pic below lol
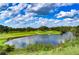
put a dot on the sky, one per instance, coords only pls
(20, 15)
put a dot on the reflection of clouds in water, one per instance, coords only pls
(51, 39)
(66, 36)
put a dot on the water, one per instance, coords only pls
(46, 39)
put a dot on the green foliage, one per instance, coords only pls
(7, 29)
(39, 47)
(67, 48)
(6, 49)
(43, 28)
(70, 47)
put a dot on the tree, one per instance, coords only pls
(43, 28)
(29, 29)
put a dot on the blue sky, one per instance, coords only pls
(39, 14)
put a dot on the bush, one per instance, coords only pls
(4, 50)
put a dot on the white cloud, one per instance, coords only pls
(17, 8)
(44, 8)
(57, 21)
(14, 10)
(69, 19)
(67, 14)
(21, 18)
(44, 22)
(5, 14)
(7, 21)
(3, 4)
(37, 8)
(63, 4)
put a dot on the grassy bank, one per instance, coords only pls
(68, 48)
(10, 35)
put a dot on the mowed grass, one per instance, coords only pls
(10, 35)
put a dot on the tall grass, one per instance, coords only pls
(67, 48)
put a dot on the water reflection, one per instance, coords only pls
(52, 39)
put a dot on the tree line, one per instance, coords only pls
(7, 29)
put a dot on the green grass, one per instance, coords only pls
(68, 48)
(10, 35)
(2, 42)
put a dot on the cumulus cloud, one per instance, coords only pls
(14, 10)
(2, 4)
(35, 9)
(67, 14)
(22, 18)
(37, 22)
(7, 21)
(41, 9)
(5, 14)
(44, 8)
(64, 4)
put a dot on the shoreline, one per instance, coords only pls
(10, 36)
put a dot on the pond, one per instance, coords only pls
(45, 39)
